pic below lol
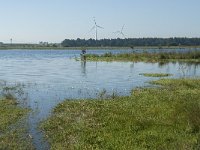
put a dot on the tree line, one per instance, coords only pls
(131, 42)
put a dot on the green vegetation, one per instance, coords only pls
(179, 83)
(150, 118)
(156, 74)
(12, 129)
(38, 47)
(144, 43)
(59, 47)
(147, 57)
(30, 46)
(132, 42)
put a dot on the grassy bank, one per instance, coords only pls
(152, 118)
(12, 132)
(147, 57)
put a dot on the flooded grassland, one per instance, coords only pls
(105, 88)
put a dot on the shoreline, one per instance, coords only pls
(96, 48)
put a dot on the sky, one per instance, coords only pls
(31, 21)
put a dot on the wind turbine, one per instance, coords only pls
(96, 26)
(121, 32)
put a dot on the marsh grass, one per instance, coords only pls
(13, 132)
(156, 74)
(147, 57)
(150, 118)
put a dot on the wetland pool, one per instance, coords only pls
(50, 76)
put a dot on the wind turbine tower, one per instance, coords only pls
(96, 26)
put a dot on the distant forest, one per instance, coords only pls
(131, 42)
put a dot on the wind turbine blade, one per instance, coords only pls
(92, 29)
(100, 27)
(122, 28)
(117, 32)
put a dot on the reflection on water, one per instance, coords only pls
(186, 69)
(52, 76)
(83, 65)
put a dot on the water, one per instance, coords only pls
(51, 76)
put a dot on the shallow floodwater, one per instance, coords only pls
(51, 76)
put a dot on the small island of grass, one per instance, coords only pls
(147, 57)
(156, 74)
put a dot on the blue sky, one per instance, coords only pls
(32, 21)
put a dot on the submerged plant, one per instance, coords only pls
(104, 94)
